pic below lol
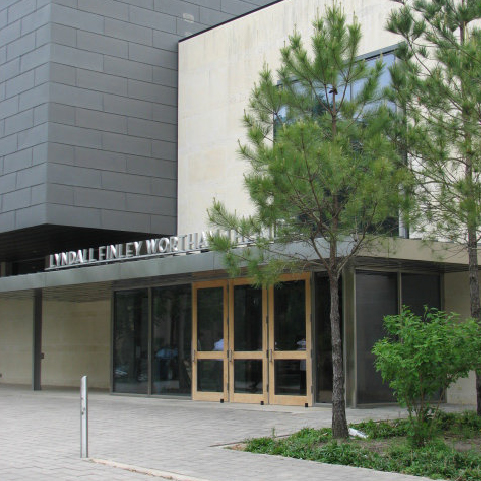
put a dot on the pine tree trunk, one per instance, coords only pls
(339, 424)
(474, 298)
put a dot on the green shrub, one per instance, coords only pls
(421, 357)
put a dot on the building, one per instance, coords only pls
(88, 129)
(101, 184)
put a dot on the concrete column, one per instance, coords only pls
(349, 334)
(37, 341)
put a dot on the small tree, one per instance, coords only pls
(323, 175)
(437, 84)
(422, 357)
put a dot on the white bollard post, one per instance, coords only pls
(84, 450)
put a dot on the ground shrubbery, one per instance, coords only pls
(453, 454)
(420, 357)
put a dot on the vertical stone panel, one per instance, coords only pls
(16, 341)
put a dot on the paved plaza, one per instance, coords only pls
(138, 438)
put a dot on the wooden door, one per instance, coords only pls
(247, 342)
(289, 347)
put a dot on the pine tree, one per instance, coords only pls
(323, 174)
(437, 85)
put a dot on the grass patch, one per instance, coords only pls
(454, 454)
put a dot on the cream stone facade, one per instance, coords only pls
(16, 334)
(456, 299)
(217, 71)
(76, 343)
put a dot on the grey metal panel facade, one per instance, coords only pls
(24, 57)
(88, 109)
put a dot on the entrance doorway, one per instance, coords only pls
(252, 344)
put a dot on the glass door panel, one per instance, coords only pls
(289, 316)
(248, 318)
(248, 376)
(247, 346)
(210, 375)
(290, 341)
(209, 349)
(210, 318)
(290, 377)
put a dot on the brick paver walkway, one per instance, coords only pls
(170, 438)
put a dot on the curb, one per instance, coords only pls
(150, 472)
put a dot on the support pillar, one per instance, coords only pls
(349, 334)
(37, 340)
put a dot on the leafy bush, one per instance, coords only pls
(422, 356)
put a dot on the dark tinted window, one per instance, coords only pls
(171, 341)
(130, 342)
(376, 297)
(419, 290)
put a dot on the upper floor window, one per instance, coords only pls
(320, 96)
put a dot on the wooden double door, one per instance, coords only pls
(251, 344)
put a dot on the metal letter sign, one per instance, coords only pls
(144, 249)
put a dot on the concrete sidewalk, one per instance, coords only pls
(152, 438)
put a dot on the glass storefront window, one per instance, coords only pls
(419, 290)
(171, 340)
(376, 297)
(323, 345)
(130, 343)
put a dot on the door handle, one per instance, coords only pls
(229, 355)
(270, 355)
(193, 355)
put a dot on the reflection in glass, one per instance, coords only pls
(248, 376)
(247, 318)
(376, 297)
(384, 79)
(171, 329)
(130, 343)
(419, 290)
(210, 375)
(290, 377)
(290, 316)
(323, 346)
(210, 319)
